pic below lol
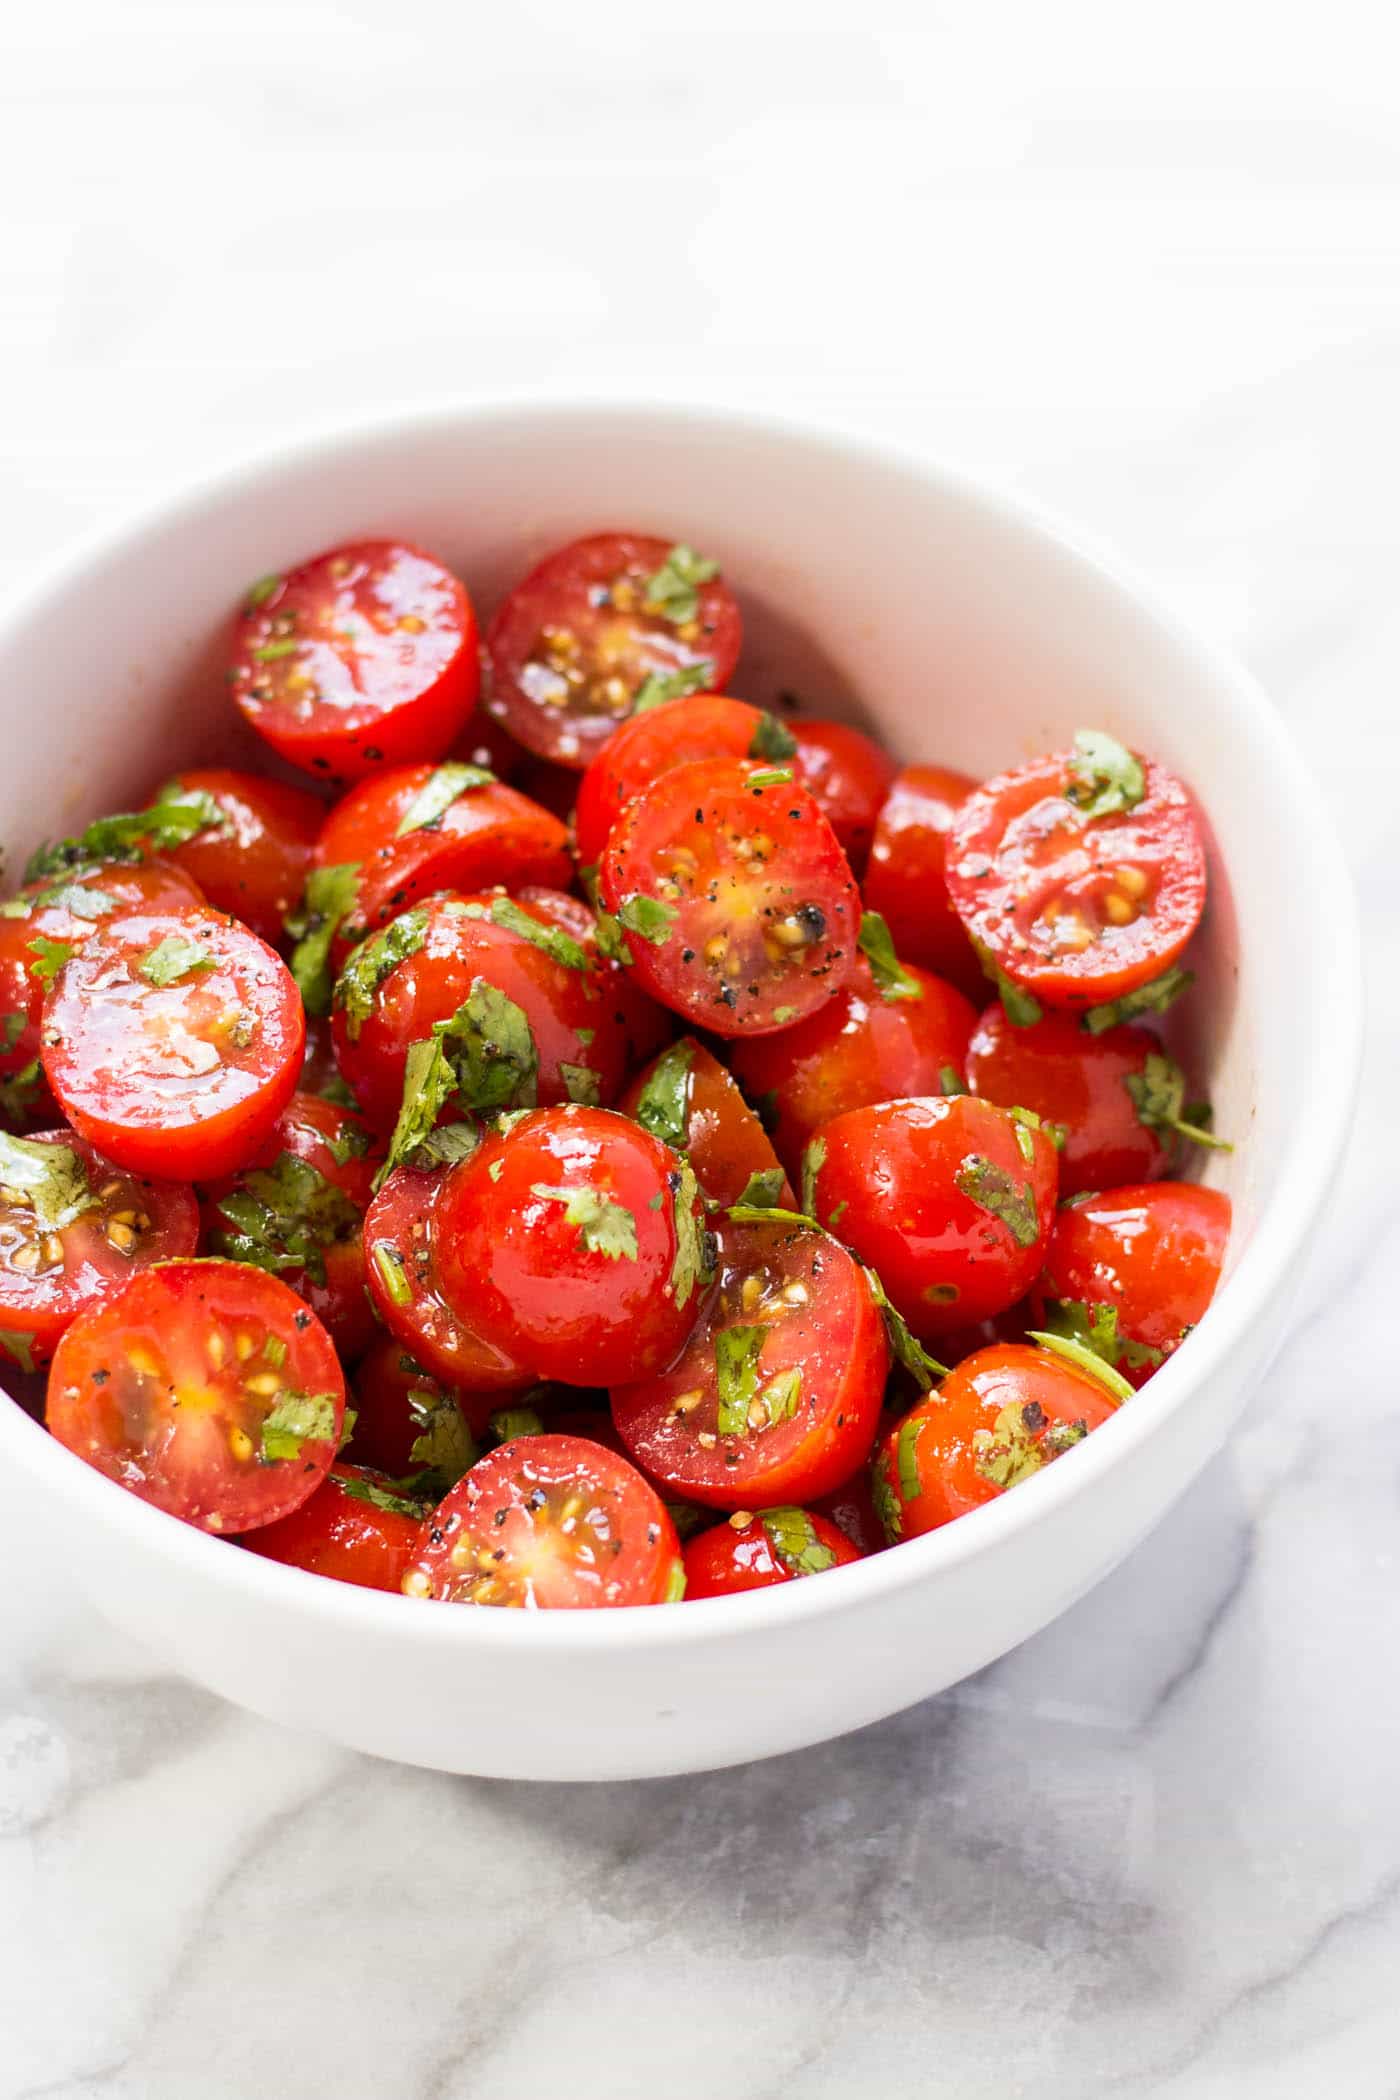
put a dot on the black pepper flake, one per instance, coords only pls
(301, 1321)
(653, 1534)
(687, 956)
(1032, 1417)
(372, 752)
(100, 1377)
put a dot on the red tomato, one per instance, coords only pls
(402, 1260)
(255, 867)
(364, 657)
(575, 1242)
(550, 1523)
(574, 644)
(863, 1046)
(950, 1201)
(173, 1043)
(553, 787)
(851, 1507)
(778, 1546)
(995, 1420)
(73, 1228)
(702, 725)
(468, 955)
(320, 1073)
(776, 1396)
(687, 1099)
(207, 1388)
(355, 1528)
(645, 1025)
(400, 1406)
(905, 880)
(738, 905)
(1079, 1082)
(1077, 891)
(849, 776)
(1135, 1269)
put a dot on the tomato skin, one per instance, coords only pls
(120, 1052)
(511, 1512)
(756, 901)
(1152, 1251)
(403, 1220)
(136, 1391)
(906, 877)
(525, 1273)
(849, 775)
(386, 1427)
(257, 868)
(387, 640)
(832, 1333)
(646, 1027)
(1033, 880)
(721, 1136)
(858, 1049)
(702, 725)
(887, 1182)
(1077, 1080)
(568, 593)
(39, 1303)
(722, 1561)
(851, 1508)
(338, 1534)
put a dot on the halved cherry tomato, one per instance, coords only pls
(776, 1396)
(406, 1419)
(575, 1242)
(255, 866)
(205, 1387)
(1082, 876)
(363, 657)
(173, 1043)
(646, 1026)
(1135, 1268)
(778, 1546)
(702, 725)
(950, 1201)
(402, 1260)
(1078, 1082)
(73, 1229)
(550, 1523)
(575, 643)
(687, 1099)
(906, 881)
(738, 905)
(867, 1044)
(357, 1527)
(849, 775)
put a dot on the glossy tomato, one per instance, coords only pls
(849, 775)
(405, 1419)
(753, 1553)
(356, 1527)
(1135, 1268)
(702, 725)
(851, 1507)
(687, 1099)
(403, 1260)
(646, 1026)
(254, 865)
(362, 658)
(906, 879)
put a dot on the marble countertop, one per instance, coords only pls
(1157, 1850)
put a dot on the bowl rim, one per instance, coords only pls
(1314, 1145)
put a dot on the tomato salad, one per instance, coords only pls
(594, 1141)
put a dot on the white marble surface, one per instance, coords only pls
(1146, 267)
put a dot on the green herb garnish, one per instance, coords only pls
(444, 785)
(331, 895)
(173, 958)
(1158, 1093)
(892, 980)
(673, 592)
(295, 1419)
(1104, 776)
(992, 1189)
(662, 1105)
(604, 1227)
(1152, 998)
(656, 690)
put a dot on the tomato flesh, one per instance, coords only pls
(687, 1099)
(403, 1246)
(255, 865)
(1077, 1081)
(1152, 1254)
(906, 876)
(782, 1545)
(354, 1528)
(702, 725)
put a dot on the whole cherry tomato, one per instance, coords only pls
(753, 1553)
(1135, 1268)
(357, 1527)
(254, 864)
(906, 880)
(687, 1099)
(849, 775)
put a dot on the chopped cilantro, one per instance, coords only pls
(604, 1227)
(771, 740)
(922, 1367)
(1096, 1327)
(1084, 1359)
(694, 1262)
(358, 983)
(444, 785)
(1022, 1010)
(675, 1583)
(656, 690)
(950, 1080)
(892, 980)
(813, 1160)
(1158, 1093)
(176, 814)
(444, 1448)
(794, 1541)
(484, 1055)
(20, 1091)
(173, 958)
(382, 1494)
(582, 1083)
(283, 1218)
(762, 1190)
(673, 592)
(662, 1106)
(274, 652)
(258, 593)
(992, 1189)
(1152, 998)
(392, 1271)
(50, 1181)
(611, 941)
(12, 1027)
(513, 917)
(737, 1350)
(906, 1458)
(647, 916)
(1104, 776)
(886, 1501)
(770, 777)
(81, 900)
(351, 1141)
(295, 1419)
(509, 1422)
(330, 896)
(50, 957)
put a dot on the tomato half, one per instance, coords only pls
(950, 1201)
(776, 1396)
(73, 1229)
(173, 1044)
(702, 725)
(549, 1523)
(687, 1099)
(575, 1242)
(1135, 1268)
(849, 775)
(1082, 876)
(865, 1045)
(205, 1387)
(738, 905)
(356, 1527)
(363, 657)
(778, 1546)
(403, 1261)
(1078, 1082)
(906, 879)
(255, 866)
(646, 1026)
(999, 1417)
(406, 1419)
(574, 644)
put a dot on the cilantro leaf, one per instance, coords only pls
(1158, 1093)
(351, 1141)
(655, 691)
(1096, 1327)
(886, 1501)
(1020, 1442)
(383, 1494)
(992, 1189)
(509, 1422)
(769, 776)
(330, 896)
(173, 958)
(258, 593)
(950, 1080)
(582, 1083)
(393, 1271)
(444, 1448)
(491, 1049)
(648, 916)
(604, 1227)
(444, 785)
(371, 962)
(52, 955)
(429, 1082)
(561, 946)
(12, 1027)
(20, 1091)
(792, 1535)
(1021, 1008)
(282, 1218)
(771, 740)
(295, 1419)
(813, 1160)
(1104, 776)
(81, 900)
(1152, 998)
(906, 1458)
(694, 1261)
(663, 1104)
(673, 592)
(176, 815)
(892, 980)
(1084, 1359)
(737, 1350)
(762, 1190)
(49, 1180)
(611, 941)
(448, 1143)
(675, 1581)
(922, 1367)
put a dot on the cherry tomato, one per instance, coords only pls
(1081, 876)
(206, 1387)
(776, 1396)
(356, 1527)
(364, 657)
(1078, 1082)
(687, 1099)
(550, 1523)
(484, 742)
(950, 1201)
(849, 775)
(1135, 1269)
(738, 905)
(906, 882)
(255, 866)
(575, 1242)
(555, 788)
(402, 1260)
(851, 1507)
(702, 725)
(995, 1420)
(173, 1043)
(406, 1419)
(865, 1045)
(778, 1546)
(320, 1074)
(73, 1228)
(645, 1025)
(575, 643)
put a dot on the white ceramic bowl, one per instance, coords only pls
(969, 632)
